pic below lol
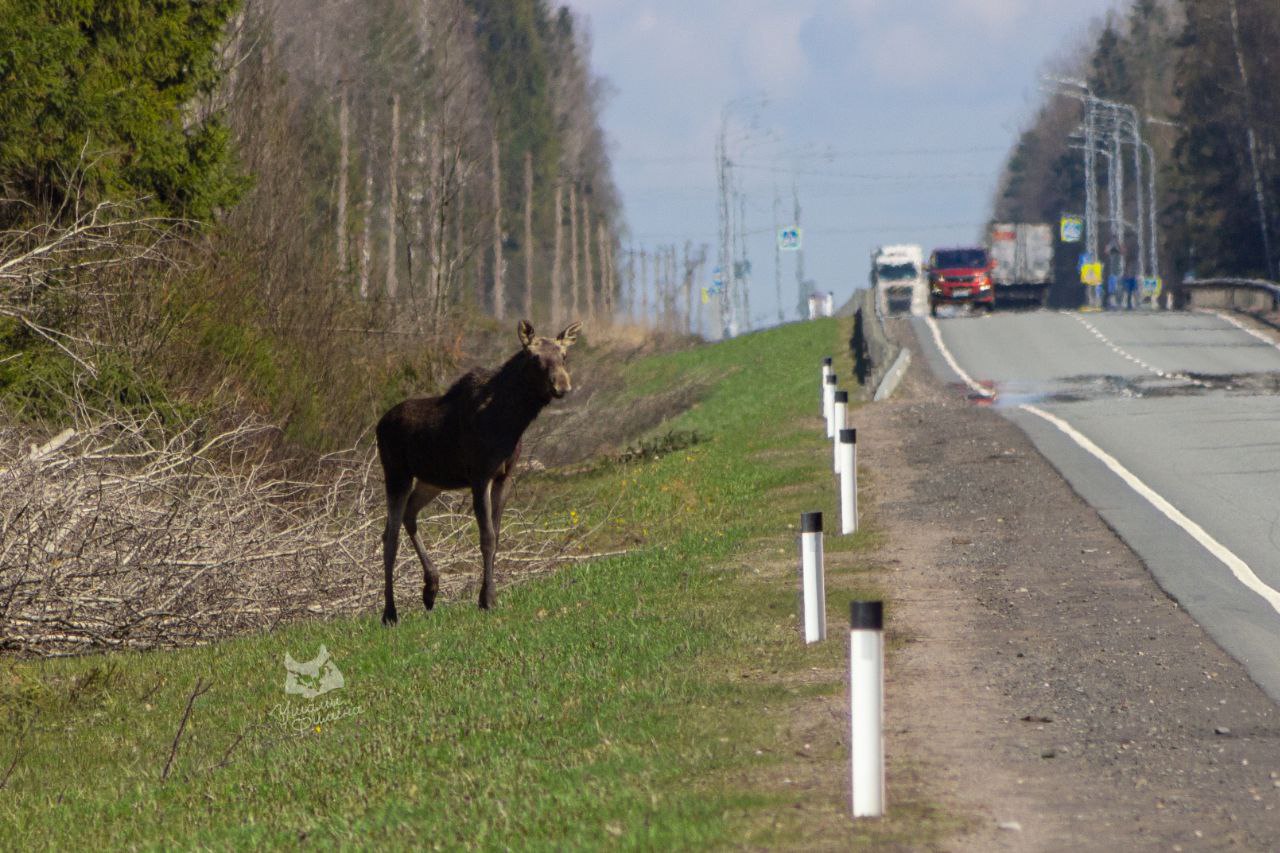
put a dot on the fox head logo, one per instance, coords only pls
(316, 676)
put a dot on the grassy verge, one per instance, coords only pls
(637, 701)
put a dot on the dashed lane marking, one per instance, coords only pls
(1121, 351)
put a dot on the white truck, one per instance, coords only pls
(898, 278)
(1022, 254)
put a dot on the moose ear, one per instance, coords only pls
(525, 330)
(568, 336)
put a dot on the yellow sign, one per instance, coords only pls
(706, 297)
(1091, 274)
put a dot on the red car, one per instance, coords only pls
(961, 276)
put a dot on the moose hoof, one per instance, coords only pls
(429, 596)
(486, 600)
(389, 618)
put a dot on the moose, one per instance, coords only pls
(467, 438)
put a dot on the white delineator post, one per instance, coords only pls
(812, 584)
(866, 707)
(847, 453)
(828, 402)
(822, 388)
(839, 407)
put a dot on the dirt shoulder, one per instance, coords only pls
(1046, 683)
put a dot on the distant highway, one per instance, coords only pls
(1168, 423)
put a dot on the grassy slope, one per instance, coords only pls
(609, 704)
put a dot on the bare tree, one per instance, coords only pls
(573, 249)
(557, 263)
(604, 251)
(366, 229)
(344, 166)
(528, 235)
(588, 270)
(499, 265)
(392, 165)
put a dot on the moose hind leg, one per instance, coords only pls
(422, 495)
(488, 541)
(498, 502)
(397, 498)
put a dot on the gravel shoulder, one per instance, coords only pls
(1044, 681)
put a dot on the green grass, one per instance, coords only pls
(614, 704)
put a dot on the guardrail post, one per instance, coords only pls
(866, 707)
(839, 414)
(812, 583)
(848, 470)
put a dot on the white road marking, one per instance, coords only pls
(1238, 567)
(946, 354)
(1242, 327)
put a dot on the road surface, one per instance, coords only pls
(1168, 423)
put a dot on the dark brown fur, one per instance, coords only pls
(467, 438)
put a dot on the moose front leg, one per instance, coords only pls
(488, 540)
(422, 495)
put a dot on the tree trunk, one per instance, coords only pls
(366, 229)
(435, 236)
(607, 273)
(528, 236)
(588, 272)
(499, 267)
(1251, 140)
(557, 262)
(392, 284)
(573, 249)
(344, 164)
(644, 287)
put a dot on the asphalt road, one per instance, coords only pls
(1168, 423)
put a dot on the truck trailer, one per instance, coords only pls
(1022, 257)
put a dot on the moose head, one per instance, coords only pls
(546, 363)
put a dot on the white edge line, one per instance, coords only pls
(946, 354)
(1242, 327)
(1238, 567)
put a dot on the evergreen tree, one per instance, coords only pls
(100, 99)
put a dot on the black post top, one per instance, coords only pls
(849, 436)
(842, 396)
(866, 615)
(827, 360)
(811, 522)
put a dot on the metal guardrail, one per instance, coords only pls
(1255, 284)
(873, 352)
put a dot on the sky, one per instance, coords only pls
(891, 119)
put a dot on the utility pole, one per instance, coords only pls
(777, 253)
(801, 288)
(744, 293)
(726, 232)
